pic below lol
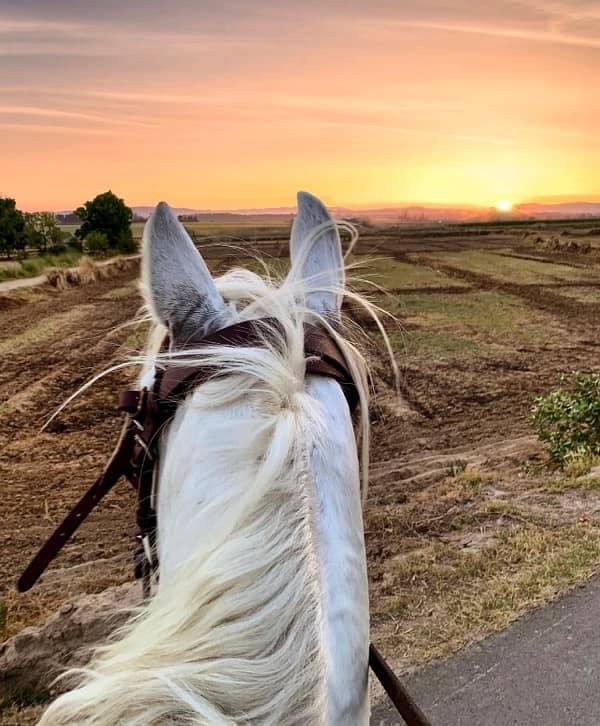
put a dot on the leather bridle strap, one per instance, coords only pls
(149, 410)
(398, 695)
(118, 466)
(134, 456)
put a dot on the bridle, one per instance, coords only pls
(135, 456)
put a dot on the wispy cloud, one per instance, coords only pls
(57, 113)
(39, 26)
(63, 130)
(410, 131)
(506, 32)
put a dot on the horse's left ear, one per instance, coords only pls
(316, 256)
(178, 285)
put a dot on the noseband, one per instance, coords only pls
(135, 456)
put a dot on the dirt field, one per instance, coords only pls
(466, 524)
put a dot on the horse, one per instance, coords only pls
(260, 614)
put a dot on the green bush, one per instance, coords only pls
(568, 419)
(57, 249)
(96, 243)
(125, 242)
(34, 266)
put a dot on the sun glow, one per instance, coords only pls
(504, 205)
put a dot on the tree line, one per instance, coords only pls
(105, 226)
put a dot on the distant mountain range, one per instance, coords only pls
(414, 213)
(398, 214)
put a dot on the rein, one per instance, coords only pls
(135, 458)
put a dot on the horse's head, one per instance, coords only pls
(260, 614)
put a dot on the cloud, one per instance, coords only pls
(26, 128)
(58, 113)
(560, 37)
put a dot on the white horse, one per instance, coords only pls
(261, 612)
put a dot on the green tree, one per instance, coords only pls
(109, 215)
(12, 227)
(43, 232)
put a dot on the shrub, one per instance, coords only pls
(568, 419)
(96, 243)
(57, 249)
(125, 242)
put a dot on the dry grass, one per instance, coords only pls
(44, 330)
(450, 596)
(392, 274)
(88, 271)
(20, 714)
(510, 269)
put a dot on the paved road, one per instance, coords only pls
(544, 670)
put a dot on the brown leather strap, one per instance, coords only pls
(398, 695)
(324, 357)
(133, 455)
(117, 467)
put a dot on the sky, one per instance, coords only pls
(235, 104)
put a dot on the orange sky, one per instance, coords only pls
(234, 104)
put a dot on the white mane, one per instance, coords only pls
(233, 634)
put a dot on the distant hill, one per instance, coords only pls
(413, 214)
(563, 209)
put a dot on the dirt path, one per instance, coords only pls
(10, 285)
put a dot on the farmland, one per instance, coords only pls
(467, 524)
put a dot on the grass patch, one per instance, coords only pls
(580, 466)
(34, 266)
(471, 480)
(511, 269)
(421, 343)
(486, 316)
(392, 274)
(583, 484)
(457, 594)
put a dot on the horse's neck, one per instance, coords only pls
(197, 475)
(342, 558)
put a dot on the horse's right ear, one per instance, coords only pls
(178, 286)
(316, 256)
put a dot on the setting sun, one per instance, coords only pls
(504, 205)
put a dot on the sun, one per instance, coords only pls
(504, 205)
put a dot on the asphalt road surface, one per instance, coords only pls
(544, 670)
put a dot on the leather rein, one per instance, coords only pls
(135, 458)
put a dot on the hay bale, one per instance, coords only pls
(89, 271)
(56, 277)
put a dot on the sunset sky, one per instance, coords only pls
(222, 105)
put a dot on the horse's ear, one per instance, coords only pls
(316, 256)
(178, 285)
